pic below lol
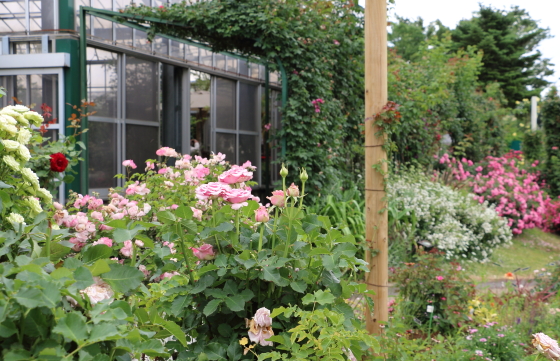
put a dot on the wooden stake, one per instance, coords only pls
(376, 213)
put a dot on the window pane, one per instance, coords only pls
(20, 48)
(12, 16)
(254, 70)
(141, 89)
(35, 14)
(102, 146)
(225, 104)
(200, 113)
(231, 65)
(124, 35)
(248, 107)
(220, 61)
(20, 90)
(243, 67)
(141, 144)
(102, 81)
(35, 47)
(161, 45)
(249, 149)
(141, 41)
(191, 53)
(205, 57)
(177, 49)
(102, 29)
(226, 144)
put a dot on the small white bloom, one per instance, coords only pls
(23, 136)
(15, 218)
(30, 176)
(10, 145)
(45, 194)
(11, 162)
(34, 205)
(17, 108)
(23, 152)
(35, 118)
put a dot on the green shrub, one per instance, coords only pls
(551, 124)
(533, 146)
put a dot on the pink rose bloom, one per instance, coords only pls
(261, 335)
(104, 240)
(117, 215)
(139, 243)
(204, 252)
(262, 317)
(201, 171)
(547, 346)
(236, 174)
(261, 214)
(168, 275)
(105, 228)
(58, 206)
(278, 199)
(439, 278)
(98, 291)
(293, 191)
(127, 249)
(197, 213)
(166, 152)
(144, 270)
(78, 245)
(553, 148)
(129, 163)
(335, 42)
(150, 165)
(237, 195)
(211, 190)
(97, 215)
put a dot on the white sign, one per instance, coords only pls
(430, 309)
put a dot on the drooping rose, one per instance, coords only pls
(261, 214)
(547, 346)
(99, 291)
(197, 213)
(129, 163)
(127, 249)
(293, 191)
(58, 162)
(204, 252)
(262, 317)
(260, 327)
(278, 199)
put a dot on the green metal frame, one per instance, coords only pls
(132, 21)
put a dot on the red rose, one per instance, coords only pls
(58, 162)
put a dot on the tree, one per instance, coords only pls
(509, 40)
(408, 36)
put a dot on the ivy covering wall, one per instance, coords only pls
(321, 47)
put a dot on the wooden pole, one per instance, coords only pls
(376, 161)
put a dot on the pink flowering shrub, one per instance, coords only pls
(516, 193)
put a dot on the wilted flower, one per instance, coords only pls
(547, 346)
(99, 291)
(260, 327)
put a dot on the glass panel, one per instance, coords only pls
(102, 81)
(177, 49)
(200, 113)
(254, 70)
(77, 4)
(231, 65)
(102, 28)
(220, 61)
(102, 4)
(124, 35)
(161, 45)
(141, 144)
(12, 16)
(102, 154)
(191, 53)
(248, 107)
(243, 67)
(226, 144)
(20, 91)
(35, 14)
(273, 77)
(249, 149)
(205, 57)
(20, 48)
(261, 72)
(157, 3)
(47, 14)
(225, 104)
(141, 41)
(141, 89)
(52, 135)
(121, 4)
(35, 48)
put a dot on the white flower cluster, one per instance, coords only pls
(452, 221)
(15, 133)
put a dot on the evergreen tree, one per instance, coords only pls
(407, 36)
(508, 40)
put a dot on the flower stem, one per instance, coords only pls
(184, 251)
(274, 229)
(133, 255)
(261, 238)
(237, 227)
(302, 194)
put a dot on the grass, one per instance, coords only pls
(531, 250)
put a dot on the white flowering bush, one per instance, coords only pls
(19, 186)
(446, 218)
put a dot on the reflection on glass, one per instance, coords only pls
(102, 4)
(200, 113)
(226, 144)
(21, 48)
(141, 89)
(254, 70)
(102, 154)
(157, 3)
(243, 67)
(231, 64)
(273, 77)
(141, 144)
(248, 107)
(33, 91)
(161, 45)
(36, 16)
(141, 41)
(191, 53)
(35, 47)
(124, 35)
(225, 104)
(177, 49)
(220, 61)
(102, 81)
(77, 4)
(249, 149)
(205, 57)
(121, 4)
(102, 28)
(21, 89)
(12, 16)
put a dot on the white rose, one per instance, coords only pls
(45, 194)
(23, 136)
(30, 176)
(23, 152)
(34, 118)
(34, 205)
(15, 218)
(11, 162)
(11, 145)
(98, 291)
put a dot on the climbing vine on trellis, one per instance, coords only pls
(320, 44)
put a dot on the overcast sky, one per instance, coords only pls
(450, 12)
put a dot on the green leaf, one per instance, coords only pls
(235, 303)
(307, 299)
(97, 252)
(17, 355)
(324, 298)
(8, 328)
(103, 331)
(123, 278)
(234, 352)
(72, 326)
(120, 235)
(183, 212)
(180, 304)
(33, 297)
(209, 267)
(319, 250)
(4, 185)
(99, 267)
(83, 278)
(203, 283)
(176, 331)
(212, 306)
(58, 252)
(272, 274)
(215, 351)
(166, 217)
(117, 223)
(299, 286)
(224, 227)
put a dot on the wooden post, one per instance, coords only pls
(376, 213)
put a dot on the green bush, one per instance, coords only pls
(533, 146)
(551, 124)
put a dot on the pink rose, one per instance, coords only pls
(139, 243)
(97, 215)
(237, 195)
(144, 270)
(261, 335)
(278, 199)
(129, 163)
(150, 165)
(58, 206)
(439, 278)
(99, 291)
(293, 191)
(261, 215)
(167, 152)
(211, 190)
(197, 213)
(127, 249)
(204, 252)
(104, 240)
(201, 171)
(547, 346)
(262, 317)
(236, 174)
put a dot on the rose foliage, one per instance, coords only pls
(183, 262)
